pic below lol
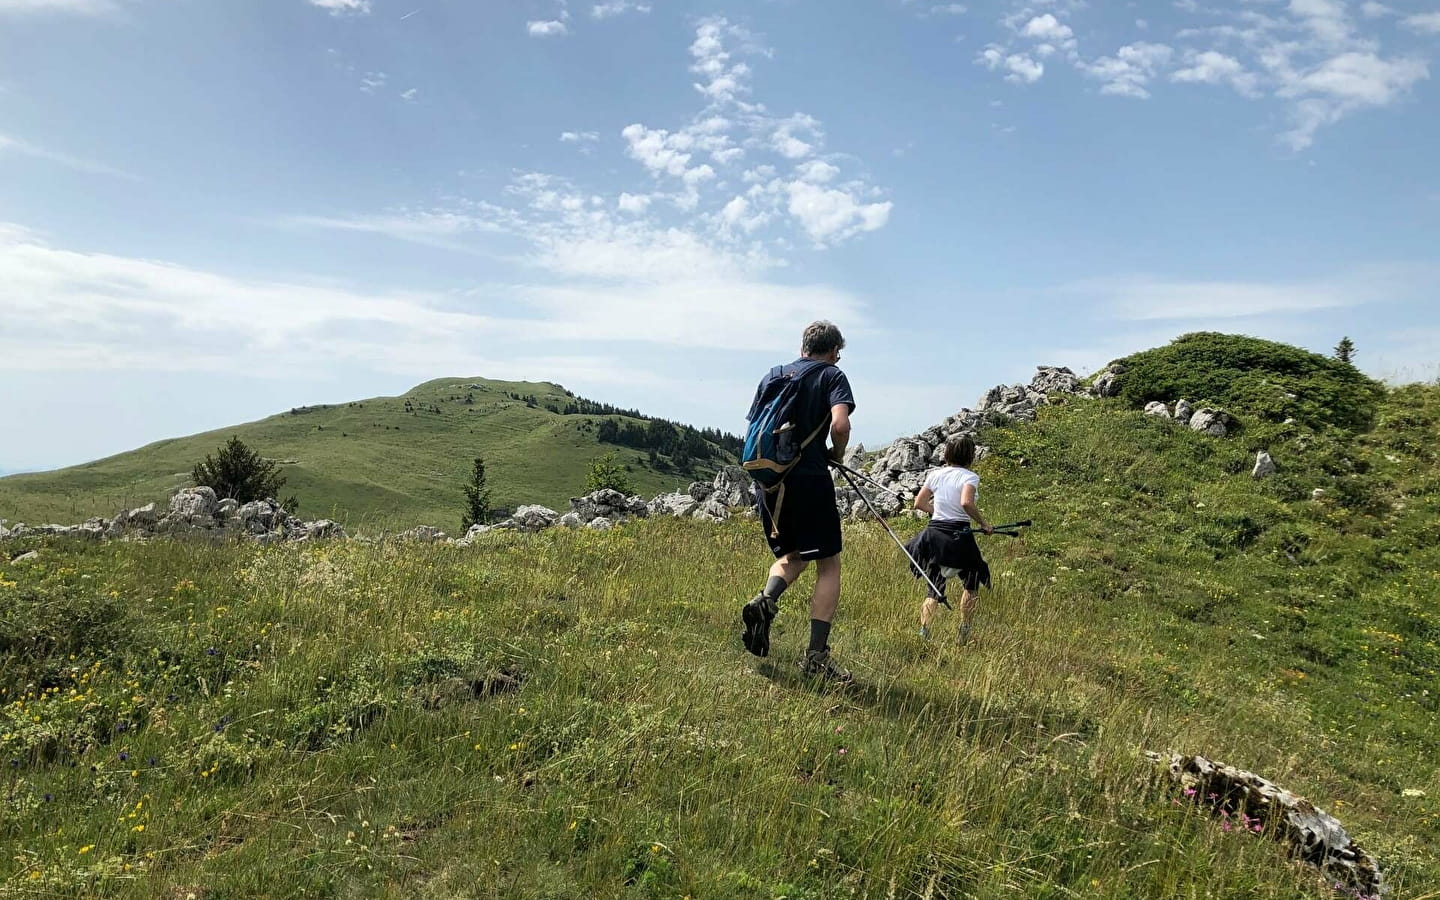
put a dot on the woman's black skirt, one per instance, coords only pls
(949, 544)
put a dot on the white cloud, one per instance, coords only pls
(633, 203)
(373, 81)
(785, 137)
(1425, 23)
(344, 7)
(409, 95)
(660, 151)
(1326, 19)
(817, 171)
(1127, 73)
(546, 28)
(948, 9)
(1213, 67)
(1047, 28)
(1314, 58)
(579, 137)
(617, 8)
(829, 215)
(15, 145)
(1022, 68)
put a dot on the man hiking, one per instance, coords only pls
(799, 515)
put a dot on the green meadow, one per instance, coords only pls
(570, 714)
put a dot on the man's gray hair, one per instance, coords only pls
(821, 338)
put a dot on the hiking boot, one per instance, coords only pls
(816, 663)
(925, 632)
(756, 617)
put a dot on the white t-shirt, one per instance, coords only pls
(945, 484)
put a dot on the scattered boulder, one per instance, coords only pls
(600, 524)
(1106, 383)
(531, 518)
(142, 517)
(1157, 409)
(733, 487)
(676, 505)
(1184, 409)
(570, 520)
(323, 529)
(700, 491)
(1214, 422)
(1313, 835)
(227, 507)
(194, 503)
(1317, 494)
(1054, 380)
(260, 517)
(1264, 465)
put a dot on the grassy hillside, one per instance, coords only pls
(382, 462)
(570, 714)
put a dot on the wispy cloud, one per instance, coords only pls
(546, 28)
(79, 164)
(77, 311)
(1424, 23)
(344, 7)
(614, 8)
(77, 7)
(1157, 299)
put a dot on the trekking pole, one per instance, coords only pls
(1008, 529)
(939, 594)
(844, 468)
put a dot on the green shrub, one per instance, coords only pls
(1253, 378)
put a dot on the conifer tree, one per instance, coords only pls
(239, 473)
(477, 497)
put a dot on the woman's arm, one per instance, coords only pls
(967, 502)
(925, 501)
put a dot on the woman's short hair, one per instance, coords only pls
(960, 451)
(821, 338)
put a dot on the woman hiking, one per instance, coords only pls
(946, 548)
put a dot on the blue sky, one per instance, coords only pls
(210, 212)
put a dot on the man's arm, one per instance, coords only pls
(839, 431)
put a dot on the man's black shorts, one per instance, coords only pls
(809, 520)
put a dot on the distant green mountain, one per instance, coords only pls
(400, 461)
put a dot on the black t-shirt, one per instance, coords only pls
(823, 390)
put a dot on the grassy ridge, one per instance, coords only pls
(369, 463)
(569, 714)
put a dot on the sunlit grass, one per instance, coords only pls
(570, 714)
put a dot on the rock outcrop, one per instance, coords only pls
(1313, 835)
(191, 512)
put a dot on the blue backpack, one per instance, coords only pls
(775, 438)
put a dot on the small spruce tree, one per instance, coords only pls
(605, 473)
(477, 497)
(1345, 350)
(237, 472)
